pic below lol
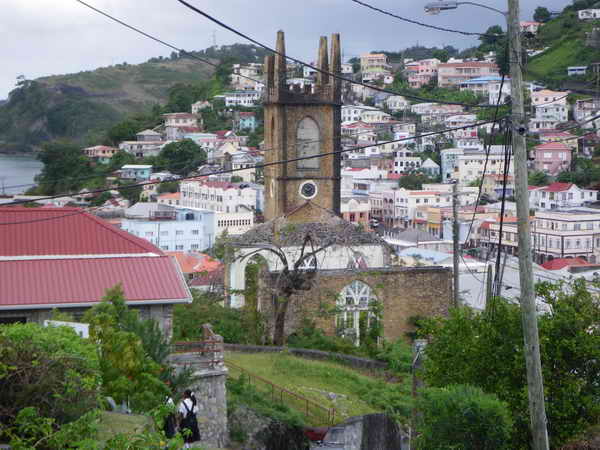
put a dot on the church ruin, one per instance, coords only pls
(320, 266)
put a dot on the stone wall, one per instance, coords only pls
(369, 432)
(404, 292)
(212, 407)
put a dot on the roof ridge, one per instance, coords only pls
(141, 243)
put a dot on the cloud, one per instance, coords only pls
(45, 37)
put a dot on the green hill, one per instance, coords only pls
(82, 105)
(565, 37)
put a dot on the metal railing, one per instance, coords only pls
(315, 413)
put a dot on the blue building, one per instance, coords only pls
(170, 228)
(245, 121)
(136, 172)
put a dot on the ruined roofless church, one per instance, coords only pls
(319, 266)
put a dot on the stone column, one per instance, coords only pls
(212, 407)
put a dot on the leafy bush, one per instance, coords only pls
(50, 369)
(398, 355)
(486, 350)
(462, 417)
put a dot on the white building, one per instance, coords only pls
(170, 228)
(471, 164)
(405, 161)
(234, 204)
(397, 103)
(588, 14)
(560, 195)
(242, 98)
(494, 91)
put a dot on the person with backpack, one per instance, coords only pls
(188, 420)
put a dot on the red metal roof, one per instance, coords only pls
(557, 187)
(46, 282)
(553, 146)
(560, 263)
(64, 231)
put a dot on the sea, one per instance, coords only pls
(17, 173)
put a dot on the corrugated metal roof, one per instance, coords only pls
(63, 231)
(73, 281)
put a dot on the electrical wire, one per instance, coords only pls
(259, 166)
(415, 22)
(340, 136)
(322, 71)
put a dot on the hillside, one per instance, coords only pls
(82, 105)
(565, 38)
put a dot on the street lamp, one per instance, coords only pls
(437, 7)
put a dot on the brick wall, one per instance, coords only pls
(404, 292)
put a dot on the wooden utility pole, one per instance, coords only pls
(455, 238)
(535, 384)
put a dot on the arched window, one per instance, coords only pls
(354, 305)
(307, 143)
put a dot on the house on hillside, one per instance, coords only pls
(138, 172)
(560, 195)
(177, 125)
(100, 153)
(552, 157)
(74, 259)
(243, 120)
(588, 14)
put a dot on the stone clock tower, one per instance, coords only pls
(302, 121)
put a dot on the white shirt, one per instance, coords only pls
(190, 406)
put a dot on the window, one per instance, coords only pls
(179, 247)
(164, 233)
(149, 233)
(307, 143)
(194, 246)
(195, 232)
(179, 233)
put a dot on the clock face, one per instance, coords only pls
(308, 190)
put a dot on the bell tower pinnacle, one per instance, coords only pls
(302, 122)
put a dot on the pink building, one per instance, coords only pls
(530, 27)
(422, 72)
(552, 157)
(453, 74)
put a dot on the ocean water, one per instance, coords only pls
(17, 173)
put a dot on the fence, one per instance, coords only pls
(315, 413)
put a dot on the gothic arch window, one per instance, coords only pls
(354, 310)
(307, 143)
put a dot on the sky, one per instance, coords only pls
(49, 37)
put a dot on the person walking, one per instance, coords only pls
(188, 425)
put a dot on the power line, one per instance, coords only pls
(259, 166)
(415, 22)
(324, 72)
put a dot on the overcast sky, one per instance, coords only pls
(44, 37)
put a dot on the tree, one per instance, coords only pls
(441, 54)
(129, 374)
(65, 167)
(541, 14)
(462, 416)
(181, 157)
(168, 186)
(486, 350)
(491, 37)
(538, 178)
(120, 159)
(414, 181)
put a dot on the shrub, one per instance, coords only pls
(50, 369)
(462, 417)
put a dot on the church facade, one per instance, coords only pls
(321, 267)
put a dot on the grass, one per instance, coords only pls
(355, 393)
(112, 424)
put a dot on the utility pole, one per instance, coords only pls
(455, 238)
(535, 384)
